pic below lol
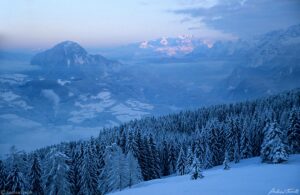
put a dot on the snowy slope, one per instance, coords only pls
(249, 177)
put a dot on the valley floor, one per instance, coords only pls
(249, 177)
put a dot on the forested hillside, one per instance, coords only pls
(159, 146)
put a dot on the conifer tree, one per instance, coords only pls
(100, 148)
(134, 170)
(155, 161)
(273, 149)
(75, 154)
(213, 140)
(130, 145)
(226, 161)
(245, 143)
(181, 163)
(35, 177)
(56, 174)
(121, 170)
(103, 185)
(189, 159)
(257, 135)
(88, 171)
(229, 134)
(18, 159)
(208, 157)
(147, 160)
(165, 159)
(199, 147)
(196, 171)
(15, 181)
(139, 151)
(122, 139)
(293, 132)
(115, 173)
(172, 159)
(237, 156)
(3, 176)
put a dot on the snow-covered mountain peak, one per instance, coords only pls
(68, 44)
(164, 41)
(144, 45)
(71, 48)
(173, 46)
(67, 53)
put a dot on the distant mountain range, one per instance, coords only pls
(162, 48)
(277, 46)
(261, 65)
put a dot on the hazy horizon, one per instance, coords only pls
(35, 25)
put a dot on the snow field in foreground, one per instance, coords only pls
(249, 177)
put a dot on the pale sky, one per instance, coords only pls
(36, 24)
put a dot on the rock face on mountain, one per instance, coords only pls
(67, 54)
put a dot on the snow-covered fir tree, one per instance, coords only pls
(199, 145)
(56, 173)
(130, 146)
(99, 149)
(257, 125)
(293, 132)
(172, 159)
(88, 171)
(245, 148)
(36, 186)
(226, 161)
(122, 139)
(237, 156)
(273, 149)
(75, 154)
(229, 135)
(196, 171)
(213, 134)
(147, 160)
(19, 159)
(134, 170)
(165, 167)
(181, 163)
(189, 160)
(140, 152)
(3, 176)
(115, 173)
(154, 158)
(15, 182)
(208, 157)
